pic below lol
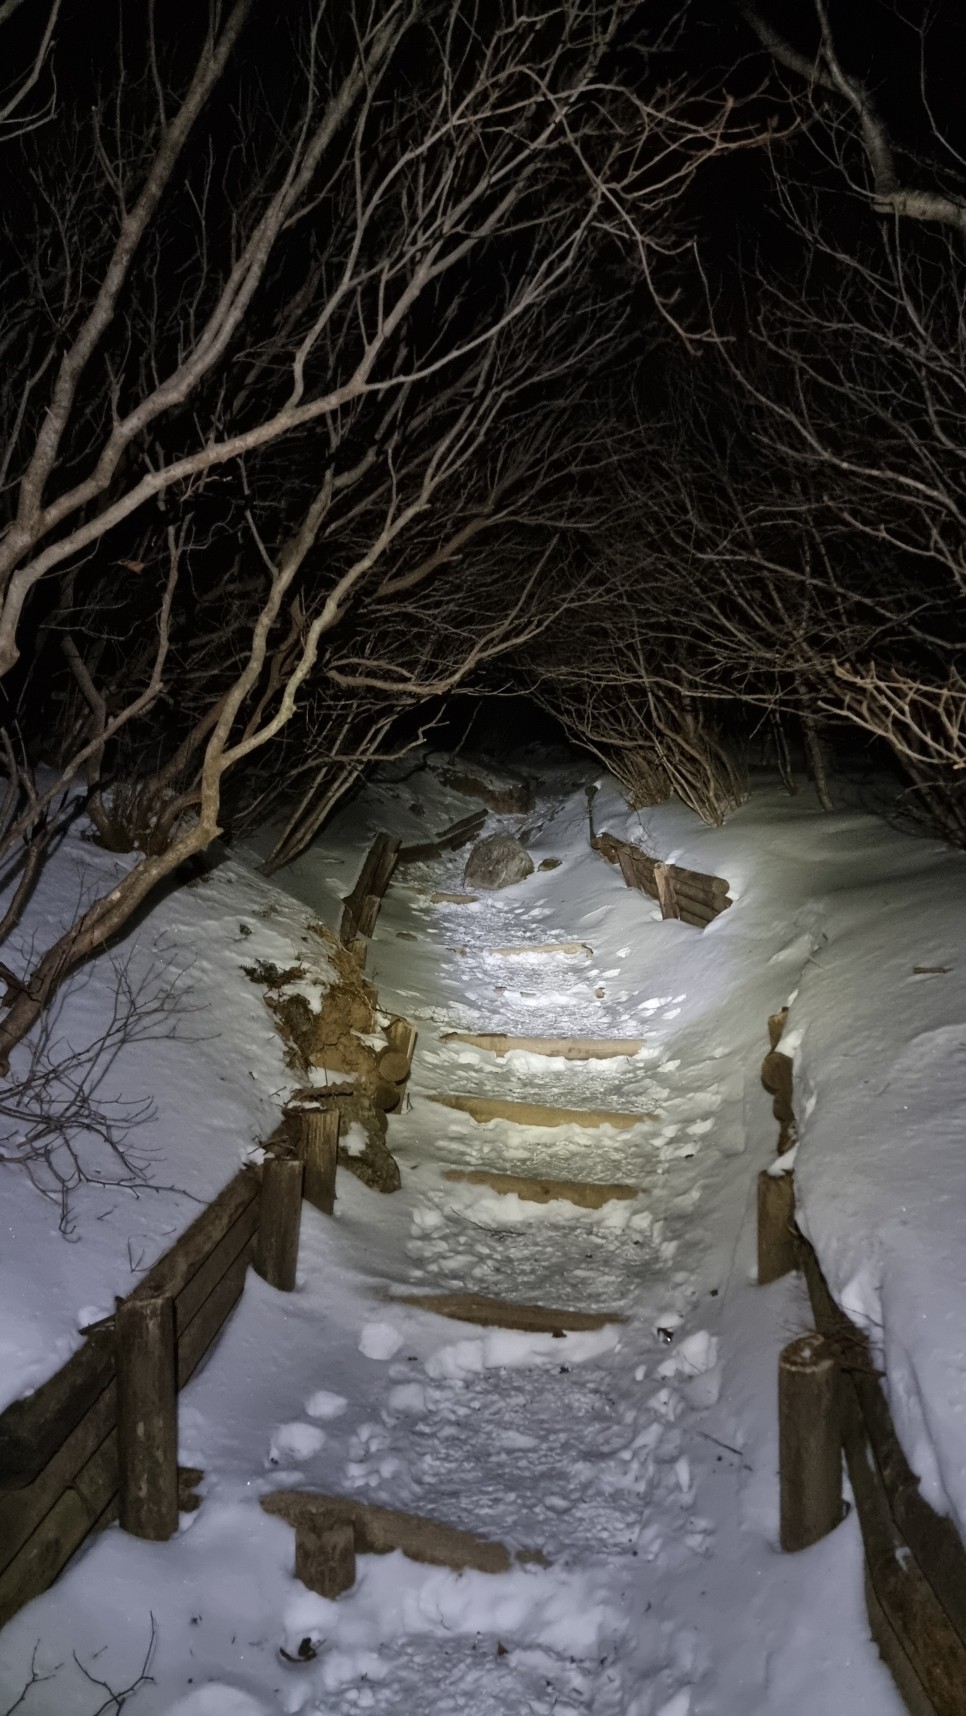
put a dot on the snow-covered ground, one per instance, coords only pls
(639, 1458)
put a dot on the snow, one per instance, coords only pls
(640, 1458)
(380, 1341)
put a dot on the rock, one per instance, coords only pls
(497, 862)
(550, 864)
(506, 793)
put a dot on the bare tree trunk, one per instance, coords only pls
(783, 755)
(815, 749)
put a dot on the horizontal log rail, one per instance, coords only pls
(689, 895)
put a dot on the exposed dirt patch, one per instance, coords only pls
(330, 1038)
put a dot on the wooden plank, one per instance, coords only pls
(361, 905)
(713, 904)
(486, 1108)
(487, 1313)
(698, 883)
(697, 919)
(192, 1249)
(450, 840)
(22, 1510)
(318, 1140)
(642, 872)
(206, 1279)
(567, 1048)
(33, 1429)
(929, 1642)
(46, 1553)
(586, 1194)
(893, 1655)
(210, 1319)
(381, 1530)
(368, 913)
(666, 891)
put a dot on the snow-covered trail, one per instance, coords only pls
(618, 1456)
(638, 1459)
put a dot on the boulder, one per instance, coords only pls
(500, 790)
(497, 862)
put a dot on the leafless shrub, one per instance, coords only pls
(275, 465)
(65, 1125)
(116, 1699)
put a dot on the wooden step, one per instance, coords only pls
(380, 1530)
(568, 1048)
(450, 840)
(501, 1314)
(484, 1108)
(586, 1194)
(564, 947)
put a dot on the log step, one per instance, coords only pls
(565, 947)
(489, 1313)
(586, 1194)
(569, 1048)
(485, 1108)
(380, 1530)
(450, 840)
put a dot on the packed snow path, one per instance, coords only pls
(573, 1446)
(638, 1459)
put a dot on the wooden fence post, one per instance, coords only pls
(147, 1416)
(278, 1229)
(325, 1554)
(777, 1254)
(665, 891)
(318, 1150)
(809, 1442)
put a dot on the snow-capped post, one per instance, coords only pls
(147, 1416)
(809, 1442)
(278, 1230)
(318, 1150)
(777, 1249)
